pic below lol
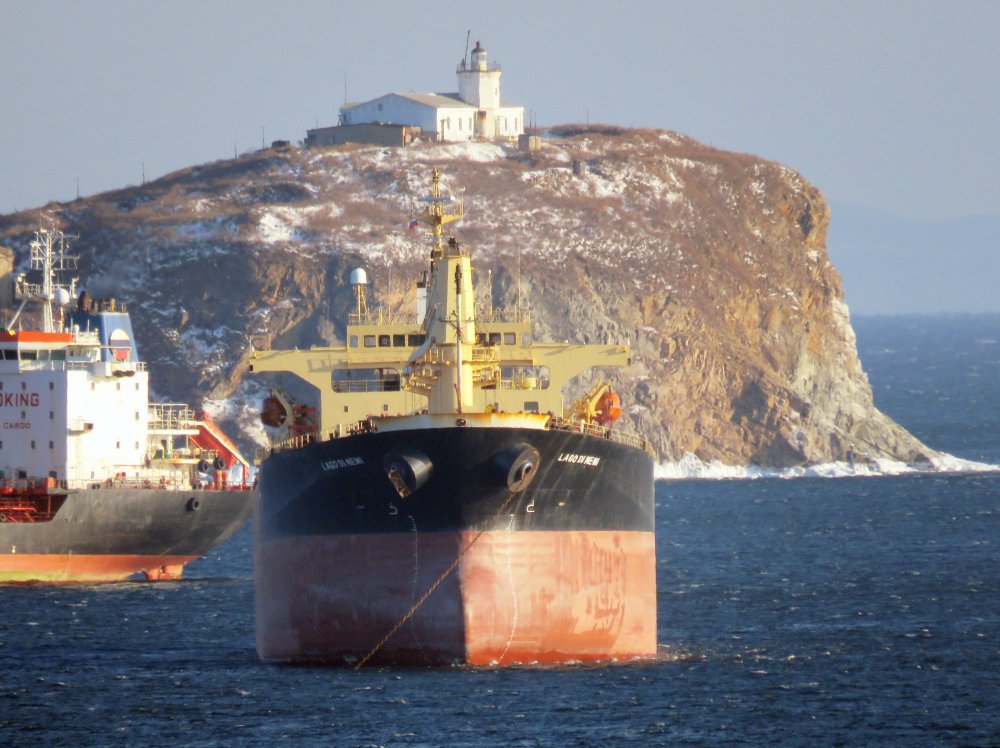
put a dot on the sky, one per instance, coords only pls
(891, 108)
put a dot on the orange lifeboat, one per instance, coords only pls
(609, 408)
(273, 413)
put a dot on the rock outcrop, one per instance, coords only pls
(713, 263)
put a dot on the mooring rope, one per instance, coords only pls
(437, 583)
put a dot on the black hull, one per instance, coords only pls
(471, 567)
(582, 482)
(109, 534)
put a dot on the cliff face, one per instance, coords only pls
(713, 263)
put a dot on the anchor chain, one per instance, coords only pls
(437, 583)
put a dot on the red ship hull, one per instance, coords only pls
(69, 568)
(514, 597)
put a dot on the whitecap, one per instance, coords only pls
(690, 467)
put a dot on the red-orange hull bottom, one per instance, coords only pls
(31, 567)
(514, 597)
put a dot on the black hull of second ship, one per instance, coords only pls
(472, 566)
(111, 534)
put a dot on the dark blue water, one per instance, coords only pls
(850, 611)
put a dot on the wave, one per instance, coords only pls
(690, 467)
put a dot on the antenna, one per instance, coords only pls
(468, 35)
(489, 276)
(359, 279)
(518, 282)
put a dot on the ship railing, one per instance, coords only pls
(505, 314)
(25, 290)
(385, 384)
(603, 432)
(20, 486)
(171, 417)
(490, 67)
(373, 317)
(51, 364)
(29, 485)
(369, 425)
(366, 426)
(481, 354)
(179, 482)
(86, 337)
(484, 355)
(295, 442)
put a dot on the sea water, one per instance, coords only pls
(827, 611)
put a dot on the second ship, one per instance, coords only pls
(445, 507)
(97, 484)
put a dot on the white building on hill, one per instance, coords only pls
(475, 112)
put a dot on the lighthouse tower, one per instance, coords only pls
(474, 112)
(479, 85)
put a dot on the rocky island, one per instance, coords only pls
(712, 263)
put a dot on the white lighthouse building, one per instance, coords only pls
(476, 111)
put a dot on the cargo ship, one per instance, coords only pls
(98, 484)
(441, 506)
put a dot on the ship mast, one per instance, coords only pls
(48, 255)
(436, 217)
(450, 318)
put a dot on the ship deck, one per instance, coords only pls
(471, 420)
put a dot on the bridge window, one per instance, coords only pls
(416, 340)
(354, 341)
(384, 341)
(510, 338)
(369, 341)
(399, 341)
(10, 354)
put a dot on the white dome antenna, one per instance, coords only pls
(359, 279)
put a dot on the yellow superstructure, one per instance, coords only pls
(448, 362)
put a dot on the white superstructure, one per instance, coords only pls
(74, 396)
